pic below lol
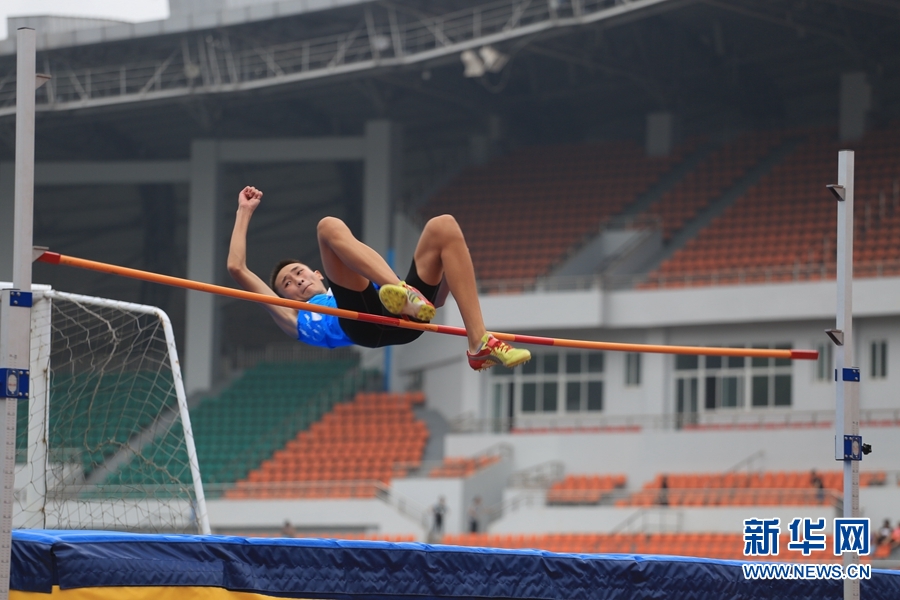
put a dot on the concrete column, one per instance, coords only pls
(659, 134)
(381, 183)
(7, 208)
(656, 375)
(855, 102)
(203, 253)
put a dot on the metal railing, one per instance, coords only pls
(540, 476)
(213, 61)
(722, 419)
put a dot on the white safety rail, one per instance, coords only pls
(211, 62)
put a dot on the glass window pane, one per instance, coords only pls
(782, 390)
(573, 362)
(595, 362)
(595, 395)
(529, 397)
(735, 362)
(759, 362)
(632, 368)
(874, 361)
(783, 362)
(710, 403)
(550, 396)
(573, 396)
(551, 363)
(760, 390)
(713, 362)
(685, 362)
(884, 359)
(730, 390)
(530, 368)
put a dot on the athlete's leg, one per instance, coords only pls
(442, 252)
(347, 261)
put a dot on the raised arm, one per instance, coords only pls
(248, 200)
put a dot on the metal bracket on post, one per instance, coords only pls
(14, 383)
(836, 335)
(848, 374)
(20, 298)
(853, 447)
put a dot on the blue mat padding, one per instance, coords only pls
(313, 568)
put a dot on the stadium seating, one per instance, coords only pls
(523, 213)
(245, 423)
(372, 439)
(774, 488)
(462, 466)
(583, 489)
(89, 414)
(784, 227)
(711, 178)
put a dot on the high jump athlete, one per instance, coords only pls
(359, 279)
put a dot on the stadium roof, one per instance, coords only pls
(55, 31)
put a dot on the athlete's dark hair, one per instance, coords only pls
(278, 267)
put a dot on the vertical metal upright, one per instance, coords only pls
(15, 304)
(847, 441)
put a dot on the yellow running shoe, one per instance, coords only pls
(403, 299)
(495, 352)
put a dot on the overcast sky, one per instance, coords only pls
(121, 10)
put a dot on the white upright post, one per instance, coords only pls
(846, 375)
(15, 304)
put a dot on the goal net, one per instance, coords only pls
(104, 441)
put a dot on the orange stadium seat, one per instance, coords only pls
(372, 439)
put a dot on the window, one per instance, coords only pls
(632, 368)
(825, 362)
(878, 354)
(552, 383)
(727, 383)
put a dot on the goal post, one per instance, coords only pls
(105, 439)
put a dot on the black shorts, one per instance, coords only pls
(372, 335)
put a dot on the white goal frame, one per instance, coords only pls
(38, 466)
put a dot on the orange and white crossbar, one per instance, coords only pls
(59, 259)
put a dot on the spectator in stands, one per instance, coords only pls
(663, 491)
(883, 535)
(287, 530)
(895, 536)
(475, 514)
(361, 280)
(816, 482)
(439, 510)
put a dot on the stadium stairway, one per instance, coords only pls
(523, 213)
(691, 228)
(783, 229)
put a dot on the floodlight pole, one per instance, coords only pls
(847, 441)
(15, 304)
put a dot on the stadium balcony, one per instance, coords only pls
(775, 488)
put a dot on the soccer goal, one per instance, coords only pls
(105, 441)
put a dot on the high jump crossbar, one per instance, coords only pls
(81, 263)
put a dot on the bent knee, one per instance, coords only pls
(328, 227)
(445, 225)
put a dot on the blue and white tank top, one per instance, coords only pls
(321, 330)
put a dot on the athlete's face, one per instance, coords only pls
(296, 281)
